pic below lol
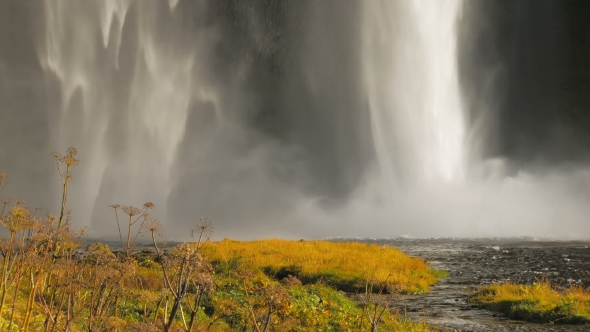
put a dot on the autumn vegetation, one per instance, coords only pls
(50, 281)
(540, 302)
(344, 265)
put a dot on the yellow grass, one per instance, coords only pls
(538, 302)
(343, 264)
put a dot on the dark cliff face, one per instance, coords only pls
(24, 118)
(526, 75)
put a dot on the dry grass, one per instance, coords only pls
(345, 265)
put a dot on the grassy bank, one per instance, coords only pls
(47, 283)
(539, 302)
(345, 266)
(243, 291)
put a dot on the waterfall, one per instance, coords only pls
(128, 76)
(123, 105)
(411, 75)
(301, 117)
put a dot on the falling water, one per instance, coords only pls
(411, 74)
(128, 76)
(123, 106)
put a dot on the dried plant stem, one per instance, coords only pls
(64, 197)
(129, 236)
(250, 308)
(195, 307)
(28, 310)
(6, 267)
(16, 289)
(118, 226)
(183, 319)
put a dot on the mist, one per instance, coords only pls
(303, 119)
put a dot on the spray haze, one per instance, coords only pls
(303, 118)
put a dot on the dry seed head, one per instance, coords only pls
(68, 159)
(72, 151)
(19, 211)
(2, 175)
(186, 250)
(18, 219)
(115, 206)
(149, 205)
(153, 226)
(130, 210)
(204, 225)
(205, 282)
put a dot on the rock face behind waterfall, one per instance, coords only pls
(525, 73)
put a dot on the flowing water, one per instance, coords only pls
(123, 98)
(475, 262)
(411, 74)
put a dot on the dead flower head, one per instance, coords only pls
(18, 219)
(68, 159)
(130, 210)
(203, 227)
(205, 282)
(153, 226)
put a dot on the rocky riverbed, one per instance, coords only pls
(472, 263)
